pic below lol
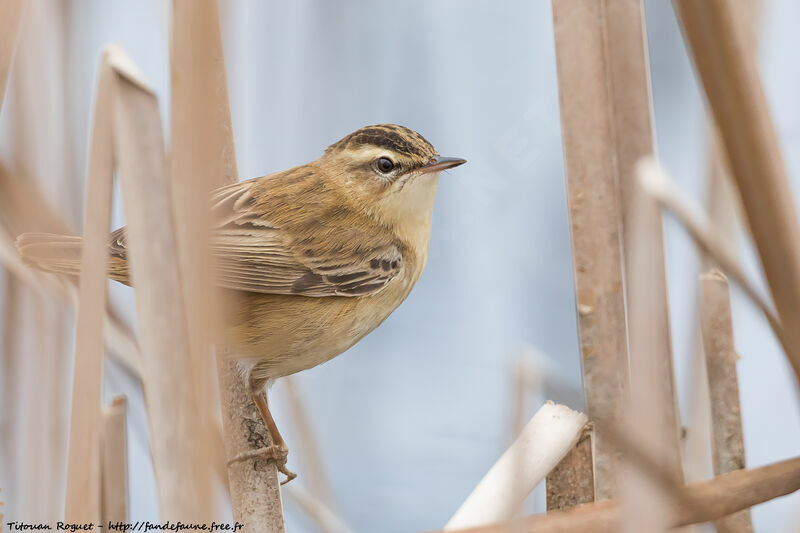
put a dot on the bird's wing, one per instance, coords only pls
(252, 254)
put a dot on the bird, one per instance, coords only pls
(314, 257)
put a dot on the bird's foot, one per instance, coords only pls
(277, 452)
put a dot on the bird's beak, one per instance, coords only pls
(439, 163)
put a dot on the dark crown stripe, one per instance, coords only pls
(389, 136)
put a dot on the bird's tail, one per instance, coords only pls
(59, 254)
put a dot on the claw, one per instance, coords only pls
(277, 452)
(286, 472)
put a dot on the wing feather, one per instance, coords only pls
(253, 254)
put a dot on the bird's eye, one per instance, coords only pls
(384, 164)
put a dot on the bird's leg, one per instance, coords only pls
(260, 399)
(278, 451)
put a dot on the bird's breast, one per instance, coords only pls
(288, 333)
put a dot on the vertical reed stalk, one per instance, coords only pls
(255, 491)
(647, 421)
(37, 338)
(595, 217)
(727, 448)
(181, 467)
(204, 159)
(196, 166)
(627, 70)
(83, 473)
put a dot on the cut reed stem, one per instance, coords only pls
(712, 499)
(551, 433)
(727, 448)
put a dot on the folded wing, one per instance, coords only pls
(253, 254)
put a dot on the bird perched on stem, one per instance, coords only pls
(316, 256)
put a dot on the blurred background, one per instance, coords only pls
(410, 419)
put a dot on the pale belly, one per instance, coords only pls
(276, 335)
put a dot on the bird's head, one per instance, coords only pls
(389, 170)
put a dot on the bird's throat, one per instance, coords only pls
(408, 212)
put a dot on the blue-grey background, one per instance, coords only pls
(411, 418)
